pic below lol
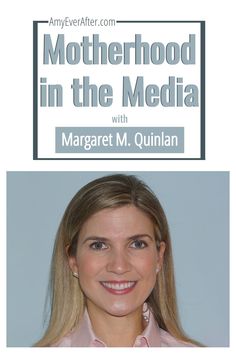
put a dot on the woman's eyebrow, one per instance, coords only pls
(135, 237)
(95, 238)
(105, 239)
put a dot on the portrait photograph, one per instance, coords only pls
(118, 259)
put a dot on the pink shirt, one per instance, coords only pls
(152, 336)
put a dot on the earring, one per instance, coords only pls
(157, 270)
(76, 275)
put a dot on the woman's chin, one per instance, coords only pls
(120, 309)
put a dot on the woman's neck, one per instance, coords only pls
(116, 331)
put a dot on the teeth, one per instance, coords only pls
(119, 286)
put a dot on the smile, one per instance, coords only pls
(119, 287)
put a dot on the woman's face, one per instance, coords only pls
(117, 260)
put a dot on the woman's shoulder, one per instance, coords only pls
(167, 340)
(63, 342)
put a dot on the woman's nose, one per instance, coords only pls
(118, 262)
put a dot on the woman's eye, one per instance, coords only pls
(138, 244)
(98, 245)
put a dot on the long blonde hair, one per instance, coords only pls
(67, 299)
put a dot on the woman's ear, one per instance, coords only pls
(72, 262)
(161, 252)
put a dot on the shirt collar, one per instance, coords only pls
(151, 334)
(84, 336)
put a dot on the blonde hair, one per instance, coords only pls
(67, 299)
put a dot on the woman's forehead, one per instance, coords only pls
(126, 220)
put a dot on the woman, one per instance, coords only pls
(112, 274)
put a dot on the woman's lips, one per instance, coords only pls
(118, 287)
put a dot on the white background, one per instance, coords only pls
(16, 102)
